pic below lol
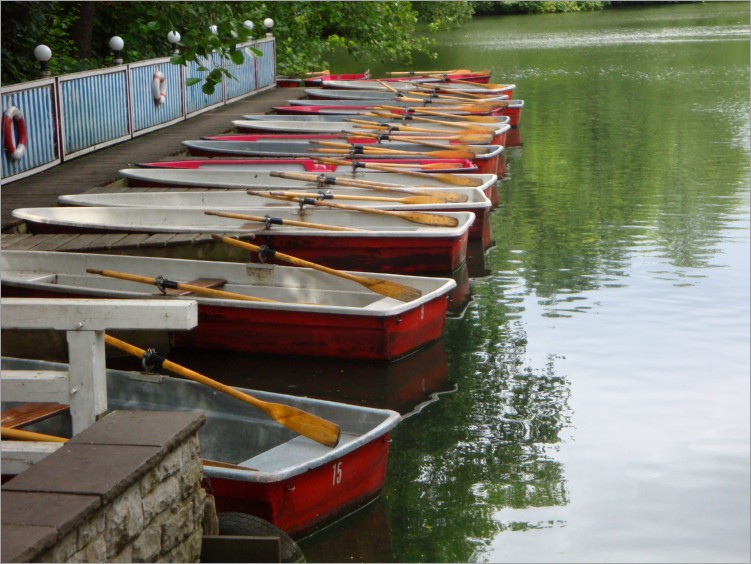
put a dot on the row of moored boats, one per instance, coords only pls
(335, 225)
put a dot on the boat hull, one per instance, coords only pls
(320, 495)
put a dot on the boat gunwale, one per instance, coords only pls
(395, 307)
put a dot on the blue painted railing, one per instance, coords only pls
(71, 115)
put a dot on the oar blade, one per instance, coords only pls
(305, 423)
(391, 289)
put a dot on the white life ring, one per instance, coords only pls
(12, 119)
(159, 88)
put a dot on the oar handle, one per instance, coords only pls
(163, 283)
(277, 221)
(283, 257)
(21, 435)
(305, 423)
(414, 217)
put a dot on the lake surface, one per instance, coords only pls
(592, 402)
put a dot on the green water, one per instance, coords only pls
(597, 401)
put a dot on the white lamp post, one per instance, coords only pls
(43, 54)
(117, 44)
(268, 23)
(174, 38)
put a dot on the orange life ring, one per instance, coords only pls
(159, 88)
(12, 119)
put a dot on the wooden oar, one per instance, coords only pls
(21, 435)
(423, 166)
(377, 285)
(480, 84)
(413, 73)
(475, 151)
(313, 73)
(407, 201)
(278, 221)
(371, 184)
(375, 125)
(449, 91)
(476, 119)
(161, 283)
(363, 150)
(434, 219)
(297, 420)
(473, 138)
(459, 120)
(388, 86)
(445, 177)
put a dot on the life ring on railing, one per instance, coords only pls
(159, 88)
(12, 119)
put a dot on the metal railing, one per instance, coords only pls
(70, 115)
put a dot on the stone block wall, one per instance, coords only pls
(125, 490)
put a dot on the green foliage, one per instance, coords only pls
(534, 7)
(440, 16)
(373, 32)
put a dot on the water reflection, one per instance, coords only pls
(405, 385)
(496, 448)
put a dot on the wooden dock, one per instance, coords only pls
(100, 168)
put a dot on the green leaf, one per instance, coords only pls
(154, 26)
(202, 68)
(208, 88)
(192, 81)
(237, 57)
(177, 60)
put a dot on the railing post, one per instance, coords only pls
(86, 380)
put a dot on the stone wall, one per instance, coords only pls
(125, 490)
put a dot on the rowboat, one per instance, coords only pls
(409, 95)
(496, 134)
(376, 241)
(289, 480)
(407, 85)
(208, 177)
(463, 166)
(476, 77)
(476, 201)
(487, 158)
(322, 117)
(511, 109)
(305, 312)
(311, 81)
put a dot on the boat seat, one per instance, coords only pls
(30, 412)
(298, 450)
(202, 282)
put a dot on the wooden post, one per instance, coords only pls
(85, 321)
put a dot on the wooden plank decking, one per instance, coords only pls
(100, 168)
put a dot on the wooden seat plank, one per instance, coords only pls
(30, 412)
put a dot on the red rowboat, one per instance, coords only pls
(462, 166)
(296, 484)
(306, 312)
(338, 238)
